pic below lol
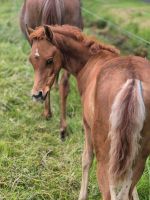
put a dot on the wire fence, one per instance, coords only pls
(117, 27)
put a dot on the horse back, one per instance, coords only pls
(62, 12)
(111, 78)
(37, 12)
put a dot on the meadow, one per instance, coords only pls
(34, 163)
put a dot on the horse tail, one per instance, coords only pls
(53, 11)
(126, 122)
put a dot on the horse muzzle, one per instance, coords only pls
(39, 96)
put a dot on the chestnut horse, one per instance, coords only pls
(37, 12)
(115, 95)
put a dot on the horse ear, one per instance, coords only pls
(48, 32)
(29, 30)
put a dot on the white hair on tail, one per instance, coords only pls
(132, 88)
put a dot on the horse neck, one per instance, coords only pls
(75, 56)
(79, 60)
(91, 70)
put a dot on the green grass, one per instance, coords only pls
(34, 163)
(124, 16)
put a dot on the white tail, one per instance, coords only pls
(126, 120)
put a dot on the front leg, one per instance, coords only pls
(56, 85)
(47, 107)
(87, 160)
(63, 90)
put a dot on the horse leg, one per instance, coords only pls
(135, 194)
(47, 107)
(121, 190)
(56, 85)
(110, 191)
(137, 173)
(87, 159)
(127, 190)
(103, 181)
(64, 90)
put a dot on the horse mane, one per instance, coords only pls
(76, 34)
(53, 12)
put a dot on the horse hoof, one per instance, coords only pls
(46, 115)
(63, 134)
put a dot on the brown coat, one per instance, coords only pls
(115, 94)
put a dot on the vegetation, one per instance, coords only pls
(34, 163)
(127, 22)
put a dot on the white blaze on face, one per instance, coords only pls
(37, 55)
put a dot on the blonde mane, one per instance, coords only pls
(76, 34)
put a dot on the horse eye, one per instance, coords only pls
(49, 61)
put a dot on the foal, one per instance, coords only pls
(115, 94)
(37, 12)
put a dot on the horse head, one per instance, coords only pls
(46, 60)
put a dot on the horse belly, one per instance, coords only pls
(32, 14)
(73, 13)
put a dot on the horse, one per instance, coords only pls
(37, 12)
(115, 96)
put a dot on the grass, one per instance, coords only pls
(124, 16)
(34, 163)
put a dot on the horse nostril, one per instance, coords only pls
(39, 95)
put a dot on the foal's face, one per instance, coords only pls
(46, 61)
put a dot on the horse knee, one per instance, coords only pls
(65, 86)
(64, 83)
(87, 159)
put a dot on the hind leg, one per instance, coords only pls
(47, 107)
(135, 194)
(109, 190)
(138, 171)
(103, 181)
(87, 159)
(64, 90)
(125, 188)
(128, 187)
